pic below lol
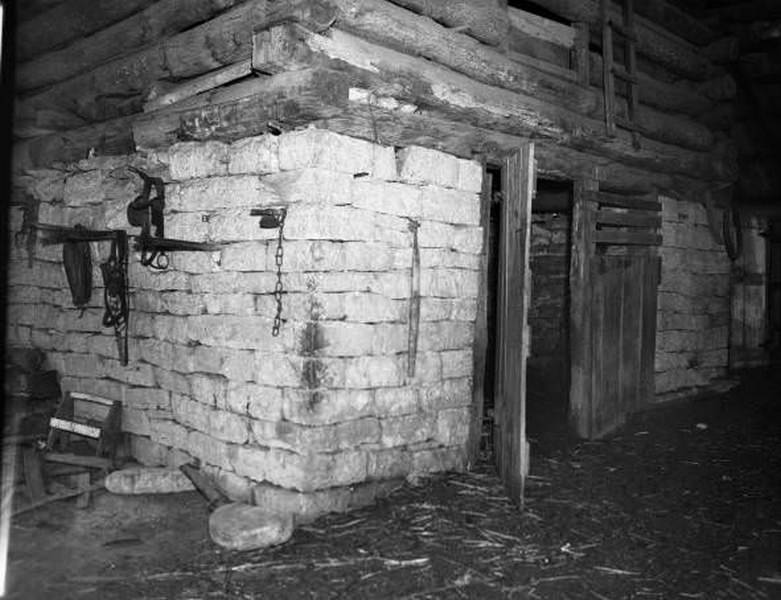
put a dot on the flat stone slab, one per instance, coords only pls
(148, 480)
(238, 526)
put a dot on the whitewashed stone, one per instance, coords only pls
(191, 160)
(327, 150)
(169, 433)
(135, 421)
(416, 164)
(450, 206)
(145, 480)
(218, 193)
(358, 339)
(259, 402)
(457, 363)
(147, 452)
(326, 406)
(448, 393)
(448, 283)
(258, 154)
(389, 463)
(445, 335)
(470, 176)
(391, 198)
(389, 401)
(210, 450)
(452, 426)
(344, 223)
(407, 429)
(462, 238)
(317, 187)
(243, 527)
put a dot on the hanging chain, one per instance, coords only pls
(279, 255)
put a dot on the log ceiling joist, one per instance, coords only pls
(161, 19)
(69, 21)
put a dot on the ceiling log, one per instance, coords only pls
(157, 21)
(653, 42)
(68, 21)
(484, 20)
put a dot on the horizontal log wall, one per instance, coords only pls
(156, 60)
(329, 403)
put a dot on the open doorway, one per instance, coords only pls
(546, 410)
(548, 366)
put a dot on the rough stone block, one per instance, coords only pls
(245, 256)
(438, 459)
(147, 398)
(147, 452)
(326, 255)
(191, 160)
(462, 238)
(344, 223)
(457, 363)
(390, 401)
(392, 284)
(389, 464)
(243, 527)
(220, 193)
(238, 331)
(365, 371)
(210, 450)
(453, 426)
(325, 406)
(358, 339)
(445, 335)
(407, 429)
(238, 489)
(448, 393)
(259, 402)
(83, 188)
(416, 164)
(258, 154)
(171, 381)
(146, 480)
(210, 390)
(449, 258)
(448, 283)
(362, 307)
(450, 206)
(327, 150)
(391, 198)
(311, 187)
(169, 433)
(470, 176)
(135, 421)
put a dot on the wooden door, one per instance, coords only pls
(615, 276)
(510, 446)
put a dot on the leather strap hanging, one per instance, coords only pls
(77, 260)
(114, 272)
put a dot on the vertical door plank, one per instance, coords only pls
(517, 185)
(648, 350)
(480, 346)
(580, 306)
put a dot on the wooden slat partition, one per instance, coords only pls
(621, 220)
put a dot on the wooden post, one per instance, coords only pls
(580, 306)
(480, 346)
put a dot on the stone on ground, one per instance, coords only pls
(238, 526)
(148, 480)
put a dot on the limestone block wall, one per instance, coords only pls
(323, 416)
(694, 303)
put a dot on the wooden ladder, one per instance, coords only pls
(611, 70)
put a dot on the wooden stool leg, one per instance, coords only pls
(82, 481)
(33, 477)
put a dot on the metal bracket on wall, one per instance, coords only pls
(147, 212)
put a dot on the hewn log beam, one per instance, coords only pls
(157, 21)
(653, 42)
(415, 81)
(676, 21)
(110, 137)
(285, 100)
(680, 97)
(484, 20)
(118, 88)
(71, 20)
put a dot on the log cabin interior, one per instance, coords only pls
(376, 235)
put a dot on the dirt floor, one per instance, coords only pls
(684, 502)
